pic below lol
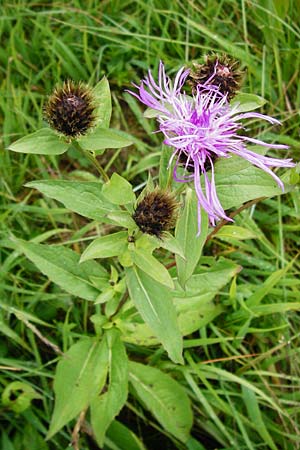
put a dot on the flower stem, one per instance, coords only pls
(93, 160)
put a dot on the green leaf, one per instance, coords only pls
(84, 198)
(32, 433)
(118, 190)
(193, 305)
(202, 312)
(165, 172)
(147, 242)
(151, 113)
(262, 290)
(154, 303)
(12, 335)
(121, 437)
(80, 376)
(43, 142)
(171, 244)
(61, 265)
(17, 396)
(101, 138)
(255, 415)
(164, 397)
(8, 445)
(122, 219)
(101, 93)
(186, 234)
(209, 279)
(147, 263)
(106, 246)
(235, 232)
(104, 408)
(106, 295)
(238, 181)
(193, 444)
(248, 102)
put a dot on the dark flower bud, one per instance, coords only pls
(156, 213)
(188, 163)
(70, 109)
(220, 71)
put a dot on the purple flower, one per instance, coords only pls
(200, 129)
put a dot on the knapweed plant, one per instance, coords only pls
(143, 272)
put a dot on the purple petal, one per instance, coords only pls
(201, 127)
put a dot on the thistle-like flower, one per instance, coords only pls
(200, 129)
(221, 71)
(70, 109)
(156, 212)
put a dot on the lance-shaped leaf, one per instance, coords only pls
(105, 407)
(164, 397)
(171, 244)
(234, 232)
(238, 181)
(101, 138)
(186, 232)
(193, 305)
(61, 265)
(154, 303)
(101, 93)
(84, 198)
(256, 416)
(43, 142)
(248, 102)
(122, 437)
(118, 190)
(149, 264)
(80, 376)
(122, 219)
(106, 246)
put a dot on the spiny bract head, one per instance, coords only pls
(156, 212)
(70, 109)
(221, 71)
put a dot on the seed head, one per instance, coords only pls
(220, 71)
(70, 109)
(156, 213)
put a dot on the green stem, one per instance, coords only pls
(93, 160)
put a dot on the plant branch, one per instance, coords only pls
(233, 214)
(93, 160)
(76, 430)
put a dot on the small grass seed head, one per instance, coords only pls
(70, 109)
(156, 212)
(221, 71)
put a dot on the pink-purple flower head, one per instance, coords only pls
(200, 129)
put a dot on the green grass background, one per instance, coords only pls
(43, 43)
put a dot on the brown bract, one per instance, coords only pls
(70, 109)
(188, 164)
(156, 212)
(221, 71)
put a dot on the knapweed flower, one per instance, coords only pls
(221, 71)
(70, 109)
(156, 212)
(200, 129)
